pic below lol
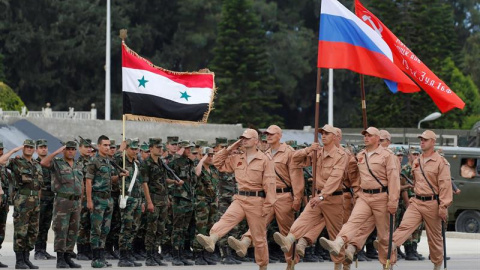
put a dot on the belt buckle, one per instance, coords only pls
(31, 192)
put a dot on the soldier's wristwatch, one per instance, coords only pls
(321, 197)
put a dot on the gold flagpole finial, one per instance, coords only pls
(123, 34)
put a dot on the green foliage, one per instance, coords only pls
(9, 101)
(471, 60)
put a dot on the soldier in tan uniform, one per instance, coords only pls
(380, 184)
(289, 189)
(433, 195)
(255, 175)
(327, 205)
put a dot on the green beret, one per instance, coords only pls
(42, 142)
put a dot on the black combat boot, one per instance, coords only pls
(199, 260)
(68, 259)
(371, 252)
(39, 252)
(414, 249)
(109, 254)
(158, 258)
(362, 257)
(47, 255)
(132, 259)
(309, 255)
(61, 263)
(97, 261)
(124, 262)
(227, 256)
(103, 259)
(167, 252)
(81, 256)
(176, 258)
(400, 254)
(20, 261)
(410, 256)
(184, 259)
(150, 261)
(3, 265)
(26, 257)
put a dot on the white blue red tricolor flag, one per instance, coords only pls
(152, 93)
(406, 60)
(346, 42)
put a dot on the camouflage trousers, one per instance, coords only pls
(155, 229)
(224, 202)
(45, 219)
(142, 229)
(205, 217)
(66, 220)
(4, 208)
(100, 220)
(167, 236)
(25, 222)
(130, 222)
(85, 226)
(116, 224)
(182, 217)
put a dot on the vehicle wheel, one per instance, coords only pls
(468, 221)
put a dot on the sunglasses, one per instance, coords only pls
(210, 155)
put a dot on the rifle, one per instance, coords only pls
(406, 178)
(113, 163)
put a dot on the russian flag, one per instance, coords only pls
(346, 42)
(154, 93)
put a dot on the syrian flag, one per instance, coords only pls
(152, 93)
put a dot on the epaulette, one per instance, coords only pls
(290, 147)
(389, 150)
(446, 161)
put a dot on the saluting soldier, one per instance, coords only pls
(68, 186)
(47, 197)
(84, 250)
(255, 175)
(5, 177)
(100, 175)
(433, 196)
(27, 174)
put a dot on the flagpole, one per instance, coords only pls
(330, 96)
(364, 103)
(107, 66)
(123, 36)
(315, 139)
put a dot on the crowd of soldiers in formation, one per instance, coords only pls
(158, 202)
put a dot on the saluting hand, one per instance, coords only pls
(234, 146)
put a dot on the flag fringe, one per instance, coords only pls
(133, 117)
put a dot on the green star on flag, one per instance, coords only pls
(142, 82)
(185, 95)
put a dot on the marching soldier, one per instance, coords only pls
(47, 197)
(100, 175)
(255, 175)
(5, 177)
(68, 186)
(84, 250)
(433, 196)
(27, 173)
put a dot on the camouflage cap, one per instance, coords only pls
(144, 147)
(112, 144)
(292, 143)
(133, 143)
(414, 150)
(71, 144)
(154, 142)
(42, 142)
(1, 144)
(221, 141)
(201, 143)
(86, 142)
(172, 139)
(263, 137)
(186, 143)
(230, 142)
(29, 142)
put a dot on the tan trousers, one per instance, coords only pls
(248, 207)
(416, 212)
(284, 214)
(312, 221)
(347, 206)
(362, 234)
(369, 205)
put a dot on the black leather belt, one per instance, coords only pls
(283, 190)
(103, 195)
(375, 191)
(426, 198)
(346, 190)
(260, 193)
(336, 193)
(71, 197)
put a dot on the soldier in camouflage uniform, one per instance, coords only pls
(27, 174)
(206, 205)
(154, 184)
(46, 206)
(183, 202)
(68, 186)
(100, 175)
(111, 245)
(131, 214)
(84, 249)
(5, 177)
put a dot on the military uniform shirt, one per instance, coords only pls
(184, 169)
(27, 174)
(137, 186)
(100, 171)
(67, 179)
(46, 176)
(154, 174)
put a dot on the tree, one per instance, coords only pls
(9, 101)
(243, 76)
(471, 54)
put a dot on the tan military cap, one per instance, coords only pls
(385, 135)
(338, 131)
(428, 134)
(371, 131)
(328, 128)
(273, 129)
(250, 133)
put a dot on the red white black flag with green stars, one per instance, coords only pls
(156, 94)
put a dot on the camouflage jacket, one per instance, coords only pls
(65, 178)
(184, 169)
(155, 175)
(26, 174)
(206, 184)
(47, 178)
(5, 177)
(100, 171)
(81, 164)
(116, 185)
(407, 170)
(137, 186)
(226, 187)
